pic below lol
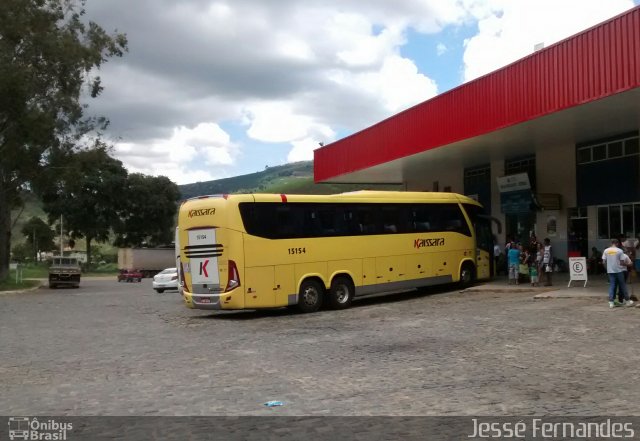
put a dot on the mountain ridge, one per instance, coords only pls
(292, 178)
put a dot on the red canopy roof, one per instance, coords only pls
(596, 63)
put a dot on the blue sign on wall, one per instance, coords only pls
(514, 202)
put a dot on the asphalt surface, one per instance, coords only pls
(122, 349)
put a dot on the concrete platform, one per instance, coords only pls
(597, 287)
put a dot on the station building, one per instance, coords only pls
(548, 144)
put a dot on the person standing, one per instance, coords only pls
(513, 259)
(630, 247)
(533, 245)
(533, 273)
(547, 262)
(539, 254)
(525, 262)
(620, 295)
(507, 246)
(496, 256)
(613, 259)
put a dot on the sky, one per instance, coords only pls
(217, 88)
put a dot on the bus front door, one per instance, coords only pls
(484, 249)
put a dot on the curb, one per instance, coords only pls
(561, 295)
(20, 291)
(505, 290)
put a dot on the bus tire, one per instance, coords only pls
(310, 296)
(341, 293)
(467, 275)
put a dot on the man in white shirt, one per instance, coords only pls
(615, 261)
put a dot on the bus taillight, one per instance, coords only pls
(233, 280)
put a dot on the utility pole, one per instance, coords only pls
(61, 248)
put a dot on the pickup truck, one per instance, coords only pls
(130, 276)
(64, 271)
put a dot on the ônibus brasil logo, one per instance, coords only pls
(202, 212)
(421, 243)
(31, 429)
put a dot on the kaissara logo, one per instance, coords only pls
(202, 212)
(421, 243)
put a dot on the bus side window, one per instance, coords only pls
(352, 225)
(396, 218)
(422, 218)
(451, 219)
(370, 221)
(310, 221)
(341, 227)
(290, 222)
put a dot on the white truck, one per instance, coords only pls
(148, 261)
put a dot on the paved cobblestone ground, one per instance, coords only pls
(122, 349)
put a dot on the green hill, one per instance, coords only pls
(32, 207)
(294, 178)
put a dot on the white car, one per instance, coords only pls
(166, 279)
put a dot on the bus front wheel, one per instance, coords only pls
(341, 293)
(467, 275)
(310, 296)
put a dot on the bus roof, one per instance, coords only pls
(355, 196)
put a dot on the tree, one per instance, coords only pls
(89, 194)
(48, 52)
(150, 211)
(21, 252)
(39, 236)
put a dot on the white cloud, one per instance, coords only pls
(303, 148)
(293, 72)
(509, 30)
(396, 85)
(275, 122)
(189, 155)
(362, 48)
(401, 85)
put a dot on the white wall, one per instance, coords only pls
(445, 177)
(497, 170)
(556, 173)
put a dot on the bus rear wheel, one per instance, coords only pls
(341, 293)
(310, 296)
(467, 275)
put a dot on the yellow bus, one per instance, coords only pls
(252, 251)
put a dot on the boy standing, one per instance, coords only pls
(533, 273)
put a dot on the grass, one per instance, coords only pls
(35, 271)
(41, 271)
(10, 284)
(107, 269)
